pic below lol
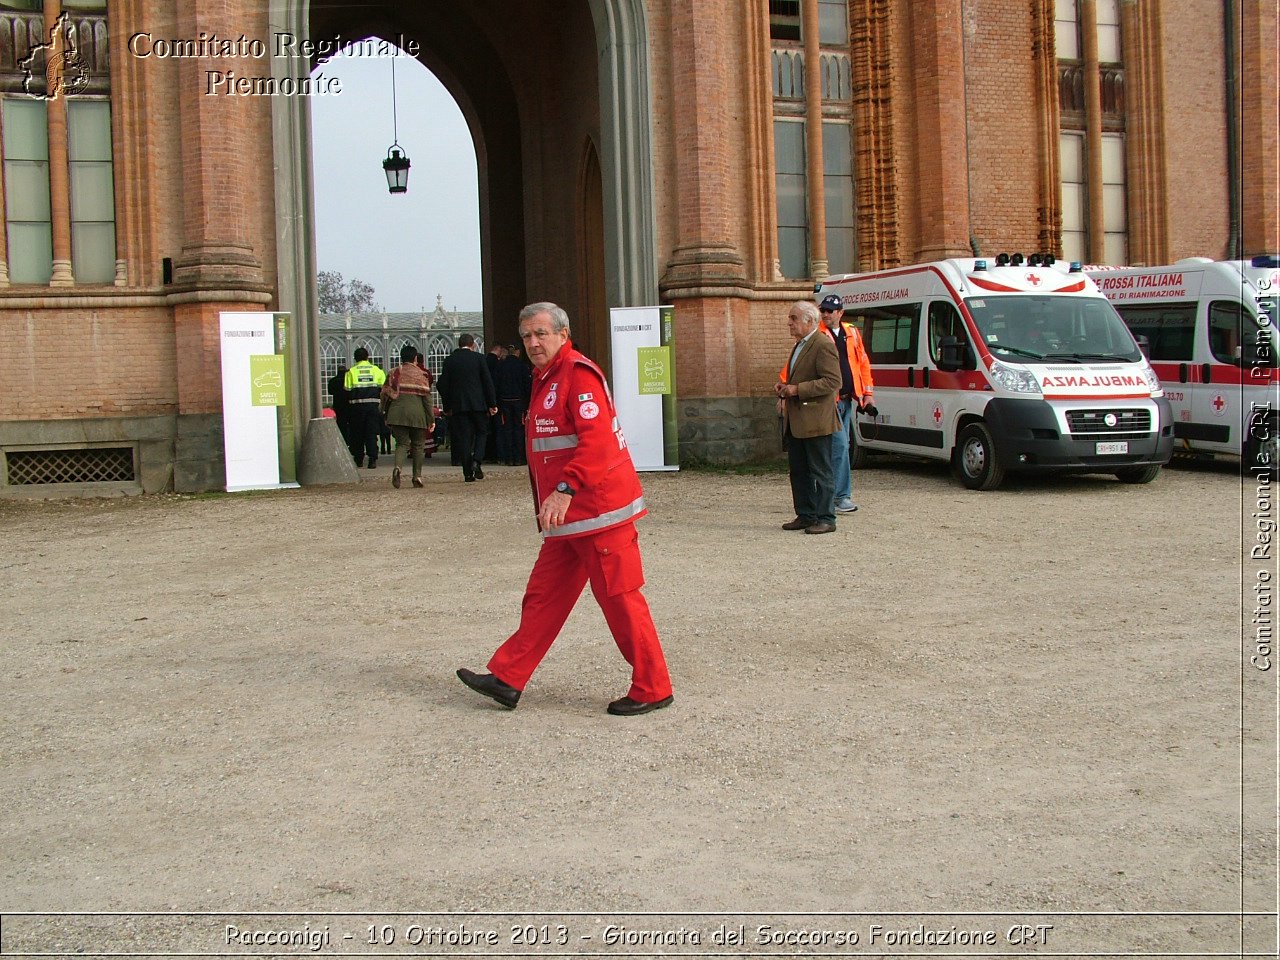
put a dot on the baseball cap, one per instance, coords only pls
(831, 302)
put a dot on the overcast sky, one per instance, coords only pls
(413, 246)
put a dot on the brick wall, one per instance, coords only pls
(1194, 102)
(68, 364)
(1003, 127)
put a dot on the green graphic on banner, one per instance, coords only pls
(266, 376)
(655, 370)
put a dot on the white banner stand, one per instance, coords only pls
(250, 433)
(644, 384)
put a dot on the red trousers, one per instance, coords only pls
(610, 561)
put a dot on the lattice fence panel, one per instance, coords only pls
(111, 464)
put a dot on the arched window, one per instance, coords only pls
(331, 359)
(397, 345)
(439, 348)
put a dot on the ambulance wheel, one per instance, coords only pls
(975, 462)
(858, 456)
(1138, 474)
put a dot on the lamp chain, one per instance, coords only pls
(395, 130)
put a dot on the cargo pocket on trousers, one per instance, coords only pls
(618, 552)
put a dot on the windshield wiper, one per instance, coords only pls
(1078, 357)
(1020, 352)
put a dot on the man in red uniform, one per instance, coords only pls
(588, 496)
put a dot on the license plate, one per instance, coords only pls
(1114, 446)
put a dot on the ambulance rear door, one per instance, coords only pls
(1219, 407)
(1170, 331)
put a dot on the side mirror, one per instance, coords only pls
(950, 354)
(1144, 344)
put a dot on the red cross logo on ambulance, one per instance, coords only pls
(1219, 404)
(937, 413)
(1033, 279)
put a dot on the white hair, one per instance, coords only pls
(559, 319)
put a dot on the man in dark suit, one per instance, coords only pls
(341, 403)
(468, 399)
(493, 360)
(807, 402)
(513, 382)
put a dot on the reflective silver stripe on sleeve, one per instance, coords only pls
(542, 444)
(632, 509)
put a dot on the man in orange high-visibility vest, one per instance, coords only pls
(856, 392)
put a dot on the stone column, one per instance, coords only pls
(705, 277)
(4, 234)
(817, 197)
(1259, 70)
(1092, 128)
(942, 189)
(59, 173)
(218, 267)
(705, 255)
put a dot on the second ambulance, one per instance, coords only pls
(1211, 333)
(1005, 366)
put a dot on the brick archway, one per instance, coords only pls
(527, 75)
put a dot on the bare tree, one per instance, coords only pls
(338, 295)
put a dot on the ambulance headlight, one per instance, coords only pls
(1153, 382)
(1014, 379)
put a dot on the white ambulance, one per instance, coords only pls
(1210, 333)
(1004, 366)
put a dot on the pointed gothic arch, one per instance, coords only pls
(628, 218)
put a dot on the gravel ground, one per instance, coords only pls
(988, 709)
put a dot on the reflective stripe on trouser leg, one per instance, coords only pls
(555, 583)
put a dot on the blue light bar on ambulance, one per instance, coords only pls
(979, 265)
(1076, 267)
(1266, 261)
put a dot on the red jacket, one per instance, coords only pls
(572, 434)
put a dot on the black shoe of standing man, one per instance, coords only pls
(491, 687)
(479, 471)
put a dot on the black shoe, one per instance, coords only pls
(821, 527)
(395, 478)
(799, 523)
(479, 471)
(626, 707)
(492, 687)
(468, 479)
(373, 464)
(417, 482)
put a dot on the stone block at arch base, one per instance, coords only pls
(325, 458)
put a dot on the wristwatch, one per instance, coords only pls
(564, 488)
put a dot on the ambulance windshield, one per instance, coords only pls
(1053, 329)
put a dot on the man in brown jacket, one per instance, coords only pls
(807, 402)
